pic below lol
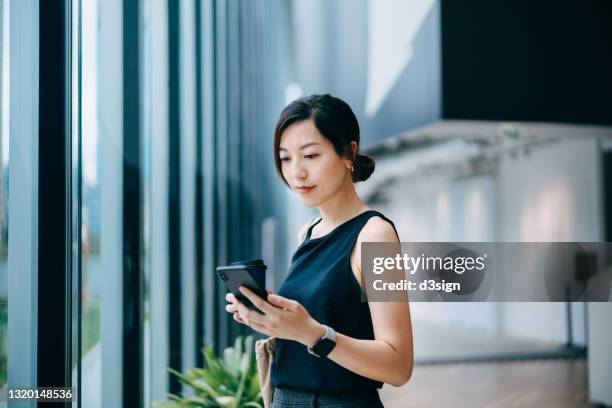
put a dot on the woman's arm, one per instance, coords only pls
(388, 358)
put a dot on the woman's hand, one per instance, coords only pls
(280, 317)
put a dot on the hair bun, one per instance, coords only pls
(364, 167)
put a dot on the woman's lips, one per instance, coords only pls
(304, 190)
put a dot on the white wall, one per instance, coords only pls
(552, 193)
(381, 56)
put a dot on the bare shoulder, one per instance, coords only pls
(377, 229)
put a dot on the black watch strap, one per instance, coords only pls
(325, 344)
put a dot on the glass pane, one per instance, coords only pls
(4, 162)
(74, 89)
(155, 197)
(146, 189)
(91, 353)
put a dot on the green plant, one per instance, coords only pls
(230, 382)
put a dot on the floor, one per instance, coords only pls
(538, 383)
(437, 342)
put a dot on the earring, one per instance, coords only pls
(352, 169)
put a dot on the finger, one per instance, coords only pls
(238, 319)
(231, 308)
(283, 302)
(256, 300)
(232, 299)
(249, 315)
(260, 328)
(235, 303)
(243, 311)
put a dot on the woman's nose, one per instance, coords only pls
(298, 170)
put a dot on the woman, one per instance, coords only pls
(332, 349)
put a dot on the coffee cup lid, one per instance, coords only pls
(258, 263)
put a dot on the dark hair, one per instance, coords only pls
(335, 121)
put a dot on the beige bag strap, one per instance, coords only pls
(264, 354)
(314, 221)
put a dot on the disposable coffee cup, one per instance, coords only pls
(257, 268)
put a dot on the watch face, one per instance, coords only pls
(323, 347)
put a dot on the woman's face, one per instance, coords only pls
(310, 163)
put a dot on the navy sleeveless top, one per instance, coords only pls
(321, 279)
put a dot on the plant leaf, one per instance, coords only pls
(230, 382)
(253, 404)
(229, 402)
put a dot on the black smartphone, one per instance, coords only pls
(234, 276)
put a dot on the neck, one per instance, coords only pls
(342, 206)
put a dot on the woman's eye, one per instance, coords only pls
(284, 159)
(311, 156)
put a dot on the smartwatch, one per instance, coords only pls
(325, 344)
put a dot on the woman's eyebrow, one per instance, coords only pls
(302, 146)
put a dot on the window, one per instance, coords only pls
(4, 191)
